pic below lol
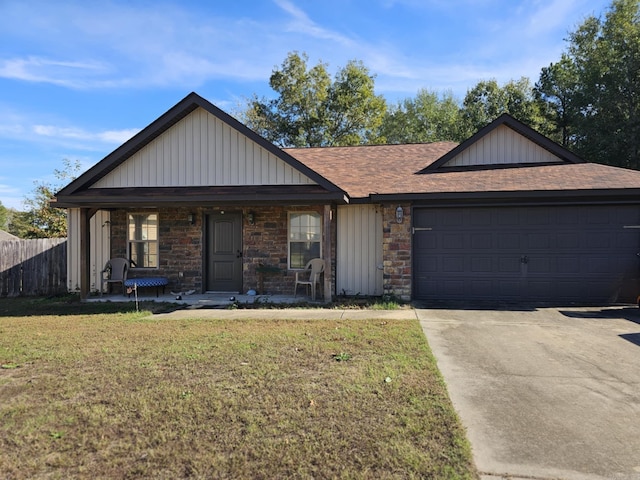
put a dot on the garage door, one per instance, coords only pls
(548, 254)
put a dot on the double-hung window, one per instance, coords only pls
(305, 236)
(142, 235)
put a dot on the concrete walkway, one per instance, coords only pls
(293, 314)
(545, 393)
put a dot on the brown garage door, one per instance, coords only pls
(549, 254)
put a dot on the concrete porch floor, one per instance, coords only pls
(204, 300)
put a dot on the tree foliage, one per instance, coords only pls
(487, 101)
(312, 110)
(40, 220)
(593, 92)
(4, 217)
(429, 117)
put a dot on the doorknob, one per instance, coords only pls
(238, 254)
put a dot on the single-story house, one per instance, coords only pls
(508, 215)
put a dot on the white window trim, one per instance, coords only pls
(309, 212)
(157, 240)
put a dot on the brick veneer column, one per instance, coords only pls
(396, 248)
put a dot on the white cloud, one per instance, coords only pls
(65, 133)
(11, 196)
(43, 70)
(21, 128)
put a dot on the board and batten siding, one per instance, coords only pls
(202, 150)
(100, 248)
(501, 147)
(359, 250)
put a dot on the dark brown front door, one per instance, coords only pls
(224, 252)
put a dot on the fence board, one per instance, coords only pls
(33, 267)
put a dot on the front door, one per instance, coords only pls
(224, 252)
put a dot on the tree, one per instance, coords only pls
(556, 95)
(487, 101)
(4, 217)
(41, 220)
(600, 75)
(429, 117)
(311, 110)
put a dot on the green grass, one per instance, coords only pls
(122, 394)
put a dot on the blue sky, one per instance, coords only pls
(77, 79)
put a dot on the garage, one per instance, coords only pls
(549, 254)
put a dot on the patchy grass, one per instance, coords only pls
(71, 305)
(129, 395)
(385, 302)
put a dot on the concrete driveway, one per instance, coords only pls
(544, 393)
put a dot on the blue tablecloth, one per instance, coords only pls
(147, 282)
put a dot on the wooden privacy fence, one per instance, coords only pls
(33, 267)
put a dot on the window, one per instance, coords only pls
(305, 235)
(143, 239)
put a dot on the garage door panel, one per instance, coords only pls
(599, 217)
(508, 265)
(509, 241)
(599, 240)
(538, 241)
(453, 241)
(454, 219)
(569, 264)
(427, 264)
(482, 264)
(597, 264)
(481, 288)
(540, 265)
(568, 217)
(508, 289)
(452, 264)
(539, 217)
(574, 253)
(482, 217)
(567, 240)
(481, 241)
(507, 217)
(537, 289)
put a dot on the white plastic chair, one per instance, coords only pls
(316, 267)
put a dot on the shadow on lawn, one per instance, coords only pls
(71, 305)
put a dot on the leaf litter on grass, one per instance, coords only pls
(225, 399)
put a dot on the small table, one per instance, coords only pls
(147, 282)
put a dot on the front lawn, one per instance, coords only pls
(129, 395)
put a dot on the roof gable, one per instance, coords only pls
(166, 153)
(505, 142)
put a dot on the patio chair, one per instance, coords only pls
(115, 271)
(315, 266)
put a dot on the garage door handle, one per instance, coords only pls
(524, 259)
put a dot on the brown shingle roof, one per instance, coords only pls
(391, 169)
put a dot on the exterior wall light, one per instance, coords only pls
(251, 218)
(399, 214)
(192, 218)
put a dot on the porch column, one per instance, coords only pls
(85, 254)
(326, 253)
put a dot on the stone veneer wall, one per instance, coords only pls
(396, 248)
(181, 246)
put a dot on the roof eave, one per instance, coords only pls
(625, 195)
